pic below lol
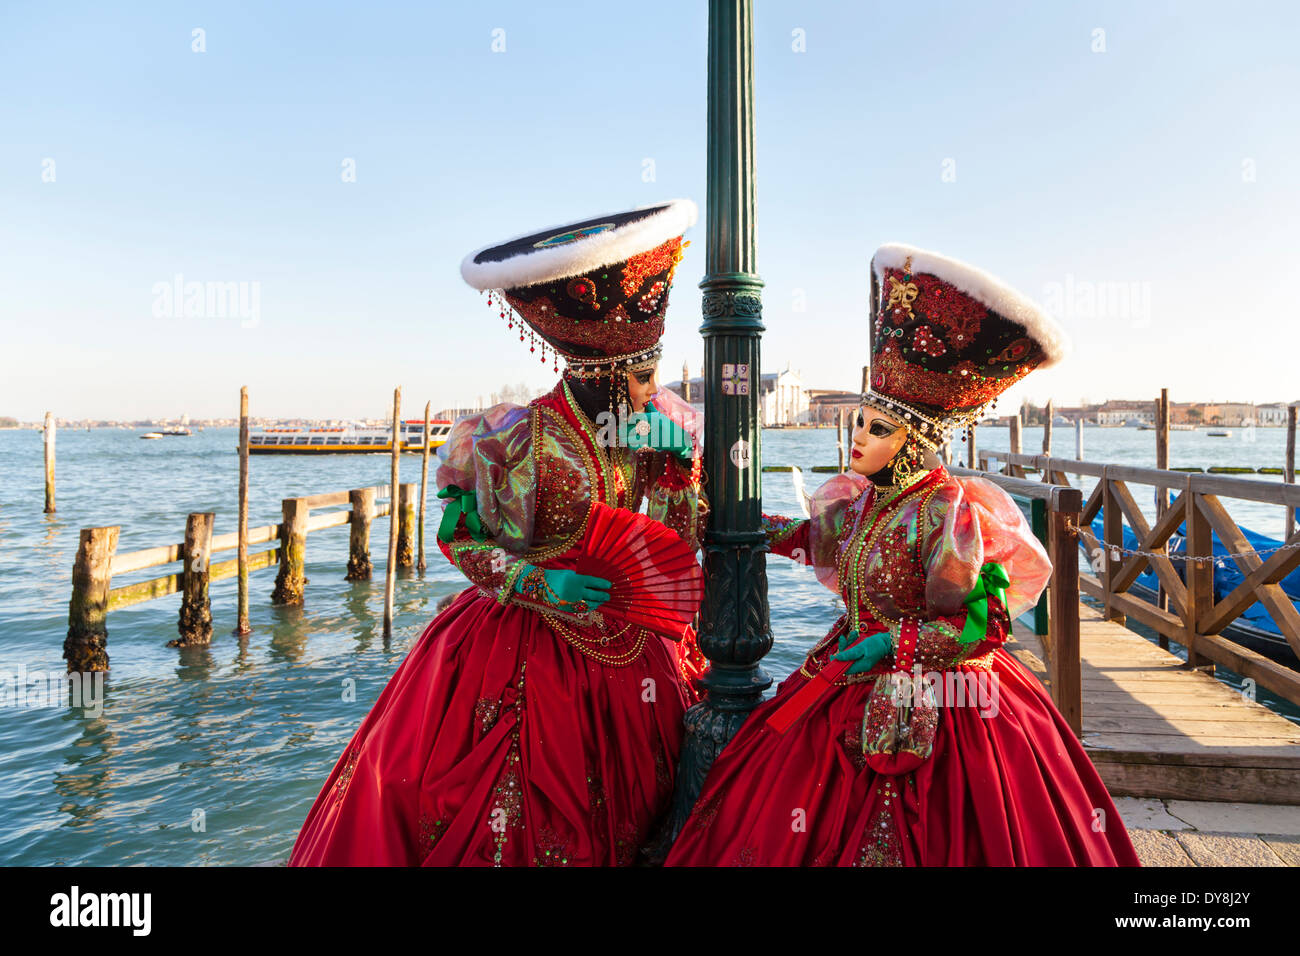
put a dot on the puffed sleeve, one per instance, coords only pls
(967, 524)
(487, 472)
(815, 540)
(674, 487)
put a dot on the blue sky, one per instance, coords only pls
(1157, 182)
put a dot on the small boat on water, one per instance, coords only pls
(176, 430)
(1220, 434)
(152, 435)
(344, 440)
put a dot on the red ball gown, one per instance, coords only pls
(1005, 781)
(509, 736)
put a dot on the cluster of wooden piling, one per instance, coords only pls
(97, 561)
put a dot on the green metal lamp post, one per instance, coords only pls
(734, 630)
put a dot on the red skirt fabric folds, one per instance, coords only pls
(497, 742)
(1010, 788)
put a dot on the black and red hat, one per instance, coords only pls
(947, 339)
(593, 291)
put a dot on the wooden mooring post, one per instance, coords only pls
(1199, 575)
(292, 578)
(86, 646)
(49, 463)
(242, 627)
(1064, 667)
(847, 424)
(362, 501)
(195, 625)
(406, 526)
(1289, 476)
(839, 440)
(1162, 493)
(390, 569)
(1014, 443)
(424, 485)
(1048, 412)
(1113, 535)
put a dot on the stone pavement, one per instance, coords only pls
(1193, 833)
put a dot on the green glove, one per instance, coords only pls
(653, 429)
(866, 653)
(562, 588)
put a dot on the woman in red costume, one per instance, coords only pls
(910, 736)
(513, 734)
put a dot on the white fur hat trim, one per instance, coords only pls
(529, 267)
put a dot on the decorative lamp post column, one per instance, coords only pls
(734, 631)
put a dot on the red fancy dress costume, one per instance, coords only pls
(869, 769)
(511, 735)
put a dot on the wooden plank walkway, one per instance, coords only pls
(1153, 728)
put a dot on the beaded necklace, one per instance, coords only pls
(628, 641)
(624, 644)
(589, 466)
(615, 463)
(850, 564)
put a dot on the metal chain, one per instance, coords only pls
(1216, 559)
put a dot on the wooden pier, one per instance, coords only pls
(1155, 725)
(1155, 728)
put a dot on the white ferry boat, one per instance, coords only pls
(350, 439)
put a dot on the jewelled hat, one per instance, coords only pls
(947, 339)
(595, 291)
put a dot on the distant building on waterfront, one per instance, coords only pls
(782, 399)
(1272, 414)
(1118, 412)
(1228, 413)
(1074, 413)
(825, 405)
(451, 414)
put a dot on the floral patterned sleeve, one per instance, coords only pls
(488, 458)
(485, 562)
(674, 487)
(787, 537)
(674, 493)
(816, 540)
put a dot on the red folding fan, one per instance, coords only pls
(655, 581)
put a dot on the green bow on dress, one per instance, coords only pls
(463, 503)
(992, 580)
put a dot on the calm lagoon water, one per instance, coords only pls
(214, 755)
